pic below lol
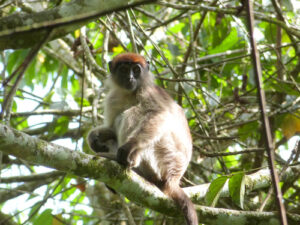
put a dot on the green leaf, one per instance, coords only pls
(231, 161)
(44, 218)
(149, 222)
(288, 5)
(177, 28)
(15, 59)
(284, 88)
(31, 75)
(64, 82)
(247, 131)
(214, 190)
(62, 125)
(227, 43)
(59, 189)
(237, 189)
(34, 210)
(174, 49)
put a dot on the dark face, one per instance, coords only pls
(127, 75)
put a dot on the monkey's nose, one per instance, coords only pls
(131, 77)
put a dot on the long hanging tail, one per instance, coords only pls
(183, 202)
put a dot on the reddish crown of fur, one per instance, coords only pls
(130, 57)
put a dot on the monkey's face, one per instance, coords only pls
(128, 75)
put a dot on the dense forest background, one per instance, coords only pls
(53, 64)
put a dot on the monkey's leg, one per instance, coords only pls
(127, 154)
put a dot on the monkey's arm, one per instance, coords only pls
(100, 139)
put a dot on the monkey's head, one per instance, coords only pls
(129, 71)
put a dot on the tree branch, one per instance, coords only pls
(33, 177)
(7, 219)
(70, 112)
(264, 117)
(23, 30)
(230, 11)
(128, 182)
(29, 187)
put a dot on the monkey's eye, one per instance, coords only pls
(124, 69)
(136, 69)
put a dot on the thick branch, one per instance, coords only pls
(70, 112)
(259, 180)
(126, 182)
(7, 219)
(264, 117)
(23, 30)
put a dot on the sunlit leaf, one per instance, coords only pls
(44, 218)
(77, 33)
(290, 125)
(227, 43)
(237, 189)
(57, 220)
(214, 191)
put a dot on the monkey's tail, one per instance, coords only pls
(183, 202)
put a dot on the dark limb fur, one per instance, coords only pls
(108, 155)
(98, 138)
(127, 153)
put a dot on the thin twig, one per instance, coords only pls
(286, 166)
(127, 211)
(21, 69)
(131, 34)
(215, 154)
(89, 55)
(258, 15)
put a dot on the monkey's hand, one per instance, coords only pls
(98, 137)
(127, 154)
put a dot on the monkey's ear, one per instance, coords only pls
(110, 66)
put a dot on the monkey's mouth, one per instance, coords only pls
(131, 85)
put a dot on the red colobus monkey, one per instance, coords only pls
(150, 129)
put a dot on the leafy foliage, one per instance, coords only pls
(200, 56)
